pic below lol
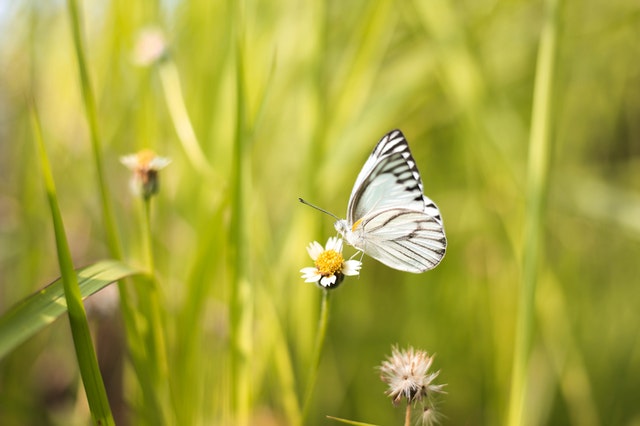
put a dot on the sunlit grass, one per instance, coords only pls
(540, 147)
(84, 350)
(259, 103)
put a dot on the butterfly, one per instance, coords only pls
(388, 216)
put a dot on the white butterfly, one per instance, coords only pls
(388, 216)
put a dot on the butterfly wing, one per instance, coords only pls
(402, 239)
(389, 179)
(388, 215)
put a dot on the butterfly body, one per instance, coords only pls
(388, 217)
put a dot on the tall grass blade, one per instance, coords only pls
(85, 352)
(134, 344)
(180, 117)
(92, 119)
(537, 182)
(241, 297)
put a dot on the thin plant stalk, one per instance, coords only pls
(146, 236)
(241, 291)
(407, 414)
(85, 352)
(153, 294)
(150, 302)
(537, 188)
(317, 353)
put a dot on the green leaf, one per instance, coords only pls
(42, 308)
(350, 422)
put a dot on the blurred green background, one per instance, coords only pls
(322, 81)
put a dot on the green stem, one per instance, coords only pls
(537, 181)
(85, 352)
(241, 291)
(146, 236)
(317, 353)
(153, 309)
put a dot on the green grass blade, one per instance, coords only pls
(349, 422)
(537, 176)
(178, 112)
(108, 217)
(92, 119)
(85, 352)
(241, 297)
(40, 309)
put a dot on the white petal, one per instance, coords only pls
(327, 281)
(314, 249)
(312, 278)
(310, 275)
(334, 243)
(351, 267)
(158, 163)
(131, 161)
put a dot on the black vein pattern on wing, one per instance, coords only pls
(400, 164)
(429, 258)
(404, 256)
(418, 232)
(397, 213)
(395, 174)
(395, 142)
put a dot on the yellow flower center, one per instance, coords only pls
(145, 157)
(329, 262)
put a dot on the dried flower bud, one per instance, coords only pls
(145, 166)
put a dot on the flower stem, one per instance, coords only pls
(146, 237)
(154, 295)
(151, 304)
(315, 364)
(407, 414)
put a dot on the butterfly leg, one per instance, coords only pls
(356, 253)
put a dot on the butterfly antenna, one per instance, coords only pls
(318, 208)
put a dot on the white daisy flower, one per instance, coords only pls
(330, 267)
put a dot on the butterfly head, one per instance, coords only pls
(342, 227)
(351, 234)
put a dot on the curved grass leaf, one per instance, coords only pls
(42, 308)
(349, 422)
